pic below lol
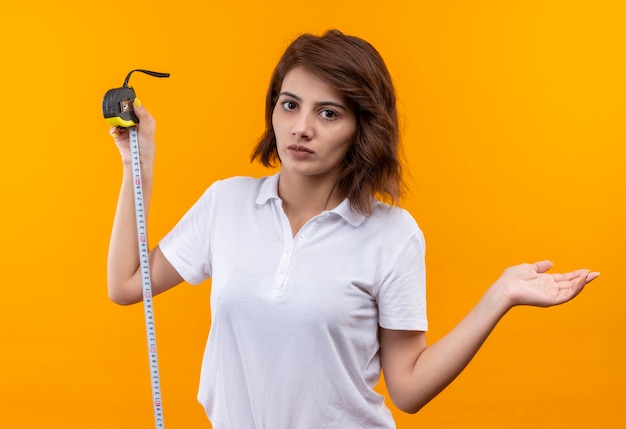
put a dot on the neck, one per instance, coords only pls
(306, 197)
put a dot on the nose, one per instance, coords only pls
(303, 126)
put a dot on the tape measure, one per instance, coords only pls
(117, 104)
(117, 108)
(144, 265)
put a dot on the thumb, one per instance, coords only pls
(542, 266)
(138, 108)
(142, 113)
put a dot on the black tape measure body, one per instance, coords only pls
(117, 104)
(117, 107)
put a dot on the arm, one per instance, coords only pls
(123, 274)
(416, 373)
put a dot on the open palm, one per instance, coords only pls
(530, 284)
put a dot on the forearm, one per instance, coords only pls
(124, 281)
(440, 363)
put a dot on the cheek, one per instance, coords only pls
(276, 122)
(348, 142)
(349, 137)
(341, 147)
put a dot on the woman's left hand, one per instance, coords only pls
(530, 284)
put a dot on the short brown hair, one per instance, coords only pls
(352, 66)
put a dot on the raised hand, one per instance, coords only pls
(530, 284)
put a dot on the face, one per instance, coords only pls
(314, 126)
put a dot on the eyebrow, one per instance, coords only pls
(318, 104)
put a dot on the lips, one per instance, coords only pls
(299, 148)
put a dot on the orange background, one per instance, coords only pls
(513, 123)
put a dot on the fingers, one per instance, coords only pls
(583, 276)
(146, 122)
(115, 132)
(118, 133)
(577, 279)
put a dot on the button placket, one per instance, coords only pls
(292, 244)
(285, 259)
(308, 230)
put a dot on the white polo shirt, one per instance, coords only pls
(294, 330)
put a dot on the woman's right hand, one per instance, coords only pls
(145, 129)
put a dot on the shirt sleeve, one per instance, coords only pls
(402, 296)
(188, 245)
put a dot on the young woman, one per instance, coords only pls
(318, 279)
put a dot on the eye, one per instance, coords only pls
(330, 115)
(289, 105)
